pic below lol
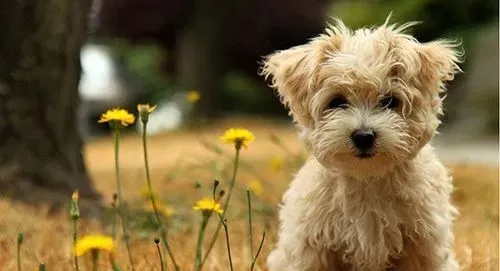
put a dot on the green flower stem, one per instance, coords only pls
(254, 260)
(163, 232)
(243, 165)
(120, 209)
(113, 263)
(233, 181)
(95, 257)
(199, 244)
(75, 239)
(113, 220)
(20, 238)
(224, 223)
(226, 203)
(161, 257)
(250, 230)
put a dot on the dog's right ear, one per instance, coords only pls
(292, 75)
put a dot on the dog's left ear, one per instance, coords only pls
(439, 63)
(292, 74)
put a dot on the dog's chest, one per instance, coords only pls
(367, 223)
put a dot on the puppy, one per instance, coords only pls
(373, 196)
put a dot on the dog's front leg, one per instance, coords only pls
(426, 256)
(297, 256)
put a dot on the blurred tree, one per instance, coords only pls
(207, 40)
(39, 76)
(201, 57)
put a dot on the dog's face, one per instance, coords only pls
(365, 100)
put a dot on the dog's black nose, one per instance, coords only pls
(363, 138)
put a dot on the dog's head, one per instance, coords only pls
(365, 99)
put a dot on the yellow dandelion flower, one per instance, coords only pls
(117, 115)
(94, 242)
(209, 205)
(193, 96)
(255, 187)
(163, 209)
(238, 136)
(145, 192)
(276, 163)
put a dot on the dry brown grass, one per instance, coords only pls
(48, 237)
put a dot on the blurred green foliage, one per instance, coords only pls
(242, 92)
(144, 61)
(454, 19)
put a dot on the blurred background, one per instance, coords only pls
(157, 51)
(63, 63)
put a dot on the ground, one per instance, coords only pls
(179, 160)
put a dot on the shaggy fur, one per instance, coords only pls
(389, 211)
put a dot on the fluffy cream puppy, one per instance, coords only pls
(373, 196)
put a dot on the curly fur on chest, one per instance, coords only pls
(367, 221)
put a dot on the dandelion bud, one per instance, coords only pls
(41, 267)
(216, 184)
(75, 196)
(74, 210)
(144, 111)
(222, 193)
(157, 240)
(20, 238)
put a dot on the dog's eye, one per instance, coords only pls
(338, 102)
(389, 102)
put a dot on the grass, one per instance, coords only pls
(178, 160)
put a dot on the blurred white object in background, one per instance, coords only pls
(169, 114)
(101, 87)
(98, 80)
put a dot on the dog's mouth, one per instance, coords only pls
(365, 155)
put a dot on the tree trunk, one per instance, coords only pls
(201, 58)
(39, 75)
